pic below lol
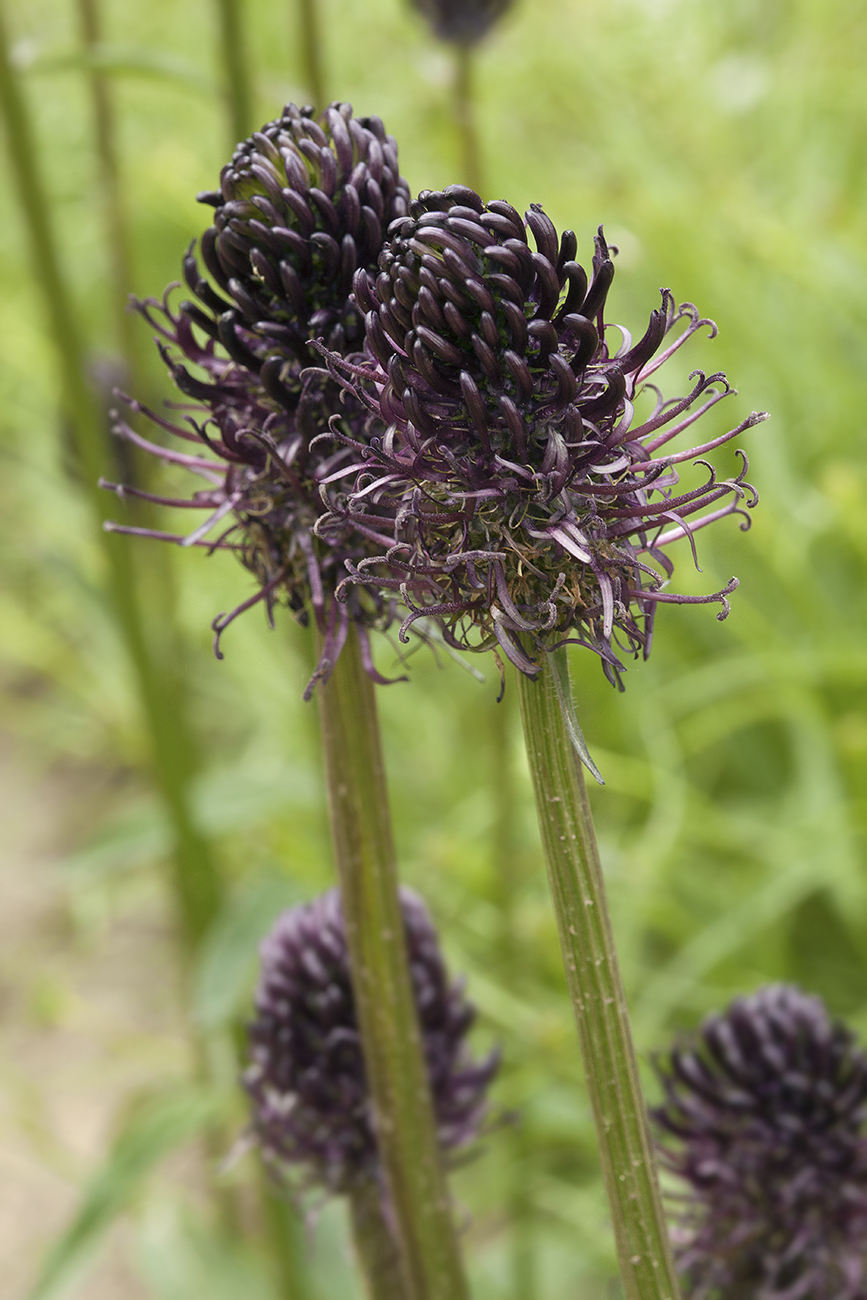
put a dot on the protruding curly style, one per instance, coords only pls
(530, 503)
(462, 22)
(302, 206)
(763, 1119)
(311, 1109)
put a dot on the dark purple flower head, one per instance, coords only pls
(462, 22)
(763, 1120)
(302, 206)
(528, 497)
(311, 1110)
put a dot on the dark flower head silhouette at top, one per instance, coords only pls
(532, 508)
(302, 206)
(462, 22)
(763, 1119)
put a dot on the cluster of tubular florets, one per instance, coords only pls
(528, 501)
(311, 1108)
(416, 408)
(301, 207)
(763, 1119)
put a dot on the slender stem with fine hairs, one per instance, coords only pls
(415, 1183)
(237, 88)
(597, 996)
(197, 886)
(312, 62)
(375, 1246)
(465, 117)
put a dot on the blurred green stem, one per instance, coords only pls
(285, 1235)
(311, 52)
(596, 991)
(104, 121)
(236, 73)
(197, 887)
(396, 1070)
(375, 1246)
(465, 117)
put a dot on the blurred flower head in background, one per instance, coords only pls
(302, 205)
(461, 22)
(763, 1119)
(311, 1109)
(527, 496)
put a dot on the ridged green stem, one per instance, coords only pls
(378, 1256)
(397, 1075)
(197, 887)
(465, 117)
(237, 88)
(596, 991)
(312, 63)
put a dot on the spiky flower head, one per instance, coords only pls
(462, 22)
(529, 499)
(311, 1108)
(302, 206)
(763, 1119)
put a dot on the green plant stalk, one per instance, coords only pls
(378, 1256)
(237, 88)
(196, 884)
(285, 1236)
(465, 117)
(507, 875)
(397, 1075)
(104, 122)
(312, 63)
(597, 996)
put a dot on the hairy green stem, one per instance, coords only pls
(197, 886)
(237, 88)
(396, 1070)
(465, 117)
(378, 1256)
(596, 991)
(312, 63)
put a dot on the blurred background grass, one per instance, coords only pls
(725, 149)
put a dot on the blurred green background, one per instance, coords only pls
(725, 149)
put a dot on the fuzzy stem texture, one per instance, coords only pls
(396, 1070)
(197, 887)
(597, 996)
(375, 1245)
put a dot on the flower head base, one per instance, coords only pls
(528, 502)
(311, 1108)
(302, 206)
(766, 1108)
(462, 22)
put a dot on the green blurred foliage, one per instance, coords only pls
(723, 147)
